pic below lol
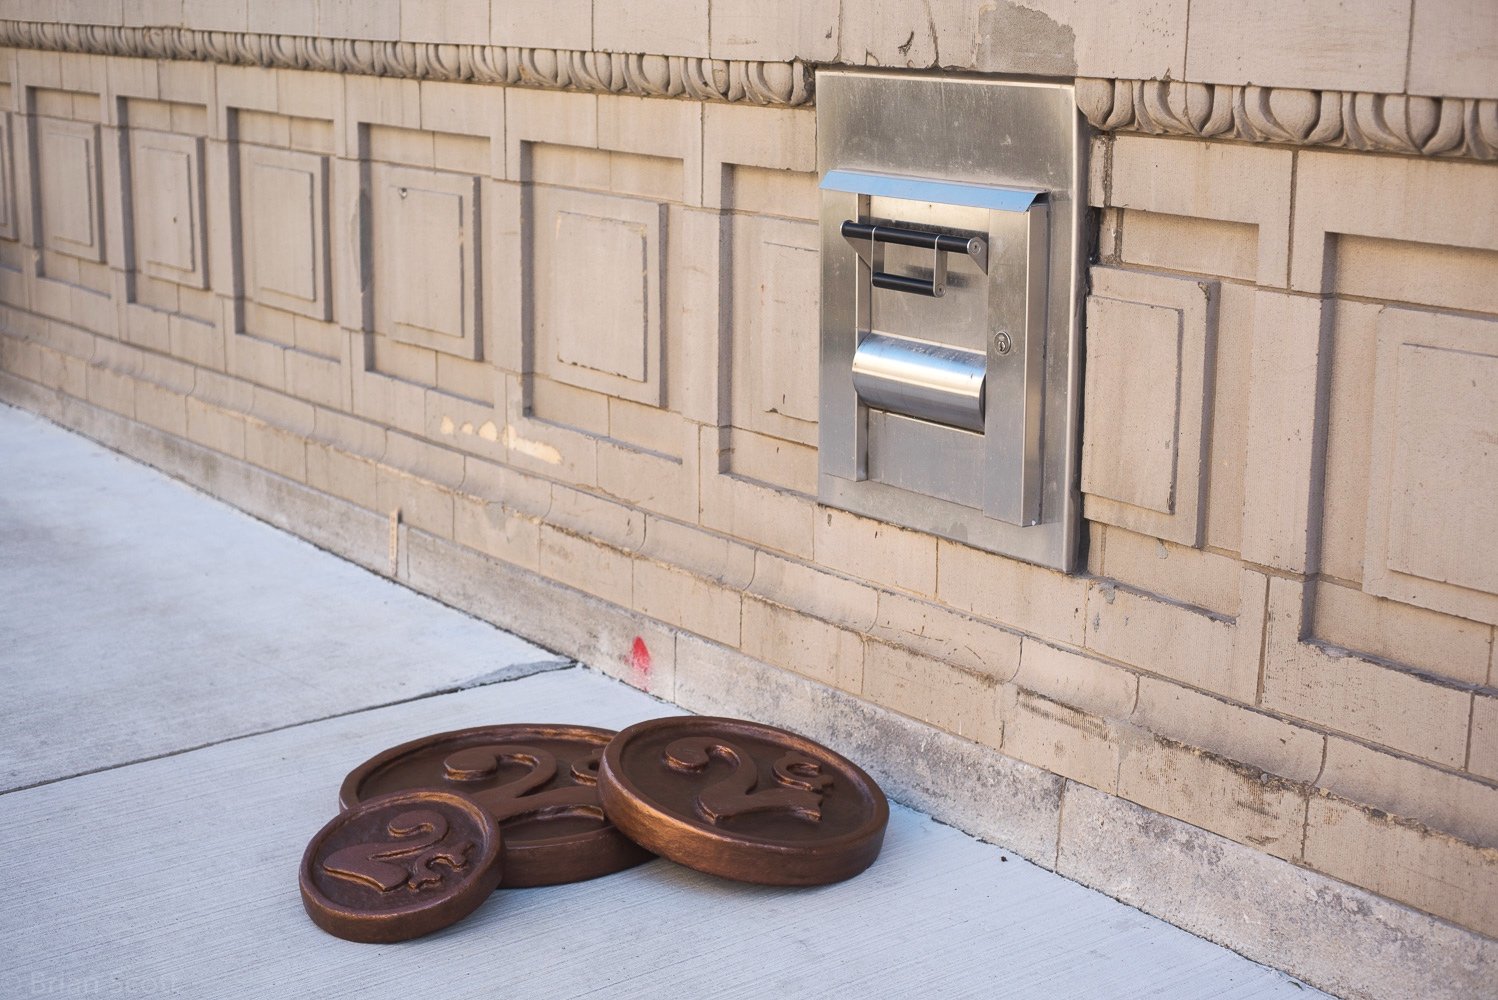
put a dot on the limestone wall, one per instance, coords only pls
(371, 271)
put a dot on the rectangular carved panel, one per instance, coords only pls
(427, 260)
(167, 207)
(774, 314)
(284, 224)
(1148, 395)
(67, 155)
(1432, 532)
(8, 228)
(596, 276)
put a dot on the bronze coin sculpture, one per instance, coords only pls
(401, 865)
(539, 782)
(743, 800)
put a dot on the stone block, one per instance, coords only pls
(1186, 243)
(1034, 600)
(546, 116)
(702, 553)
(810, 647)
(429, 462)
(1191, 576)
(874, 551)
(214, 427)
(381, 101)
(322, 380)
(1228, 729)
(1315, 45)
(654, 482)
(779, 31)
(1235, 800)
(152, 13)
(1076, 681)
(814, 591)
(771, 460)
(1388, 630)
(284, 226)
(495, 483)
(1344, 501)
(1168, 639)
(773, 315)
(776, 138)
(618, 525)
(1436, 391)
(422, 504)
(1454, 199)
(768, 191)
(452, 21)
(757, 513)
(958, 701)
(162, 408)
(1404, 861)
(1062, 740)
(167, 207)
(374, 20)
(427, 250)
(490, 527)
(1283, 459)
(215, 15)
(283, 19)
(1344, 938)
(1482, 756)
(679, 29)
(595, 569)
(279, 451)
(1349, 694)
(71, 211)
(547, 24)
(1402, 787)
(932, 630)
(338, 473)
(1453, 47)
(1207, 180)
(691, 602)
(654, 128)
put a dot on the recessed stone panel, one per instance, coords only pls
(8, 228)
(68, 177)
(167, 207)
(1148, 395)
(283, 201)
(1432, 532)
(774, 313)
(596, 274)
(426, 259)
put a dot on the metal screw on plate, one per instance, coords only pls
(1002, 343)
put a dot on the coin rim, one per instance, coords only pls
(526, 858)
(468, 895)
(682, 838)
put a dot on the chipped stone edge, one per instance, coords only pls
(1330, 934)
(1455, 127)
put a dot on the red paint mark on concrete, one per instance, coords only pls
(639, 659)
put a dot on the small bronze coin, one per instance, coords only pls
(539, 782)
(742, 800)
(400, 866)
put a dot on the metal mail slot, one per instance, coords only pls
(928, 381)
(950, 292)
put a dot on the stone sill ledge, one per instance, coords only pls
(1395, 123)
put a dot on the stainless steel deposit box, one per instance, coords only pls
(951, 290)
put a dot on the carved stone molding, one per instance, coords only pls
(693, 77)
(1391, 123)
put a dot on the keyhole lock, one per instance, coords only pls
(1002, 343)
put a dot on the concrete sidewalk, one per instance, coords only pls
(186, 688)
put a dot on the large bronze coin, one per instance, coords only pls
(539, 782)
(743, 801)
(400, 866)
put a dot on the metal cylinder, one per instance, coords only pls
(927, 381)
